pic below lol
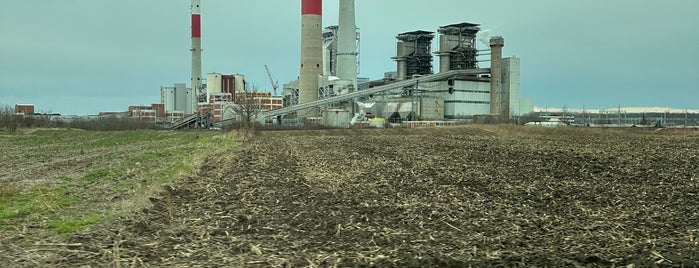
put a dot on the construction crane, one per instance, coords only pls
(275, 85)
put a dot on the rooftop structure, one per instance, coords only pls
(414, 54)
(457, 47)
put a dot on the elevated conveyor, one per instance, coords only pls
(194, 121)
(366, 92)
(374, 90)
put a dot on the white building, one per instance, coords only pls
(177, 98)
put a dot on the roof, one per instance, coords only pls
(462, 25)
(460, 28)
(417, 33)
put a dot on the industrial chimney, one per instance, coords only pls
(496, 96)
(197, 89)
(347, 43)
(311, 52)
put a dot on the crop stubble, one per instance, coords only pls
(438, 197)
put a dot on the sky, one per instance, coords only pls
(86, 56)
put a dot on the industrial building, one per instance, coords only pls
(24, 109)
(177, 98)
(220, 87)
(329, 91)
(414, 54)
(460, 90)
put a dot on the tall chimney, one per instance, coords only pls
(311, 52)
(496, 105)
(347, 43)
(197, 89)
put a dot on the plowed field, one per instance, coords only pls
(447, 197)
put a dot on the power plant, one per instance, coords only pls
(449, 74)
(329, 92)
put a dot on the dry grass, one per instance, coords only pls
(8, 191)
(54, 183)
(458, 196)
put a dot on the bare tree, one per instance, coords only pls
(8, 119)
(247, 107)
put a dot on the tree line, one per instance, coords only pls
(11, 121)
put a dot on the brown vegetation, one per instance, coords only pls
(12, 122)
(445, 197)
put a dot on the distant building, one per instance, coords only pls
(24, 109)
(177, 98)
(148, 112)
(217, 83)
(222, 105)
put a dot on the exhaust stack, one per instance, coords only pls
(311, 53)
(497, 106)
(197, 89)
(347, 43)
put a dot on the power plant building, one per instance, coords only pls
(177, 98)
(222, 87)
(327, 86)
(457, 47)
(511, 83)
(414, 54)
(330, 51)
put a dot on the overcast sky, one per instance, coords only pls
(87, 56)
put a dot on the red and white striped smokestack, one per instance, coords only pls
(311, 52)
(197, 88)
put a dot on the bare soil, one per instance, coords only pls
(448, 197)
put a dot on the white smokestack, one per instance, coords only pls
(347, 43)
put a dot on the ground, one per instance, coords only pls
(446, 197)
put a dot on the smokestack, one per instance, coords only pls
(196, 54)
(311, 52)
(347, 43)
(496, 104)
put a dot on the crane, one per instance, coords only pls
(275, 85)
